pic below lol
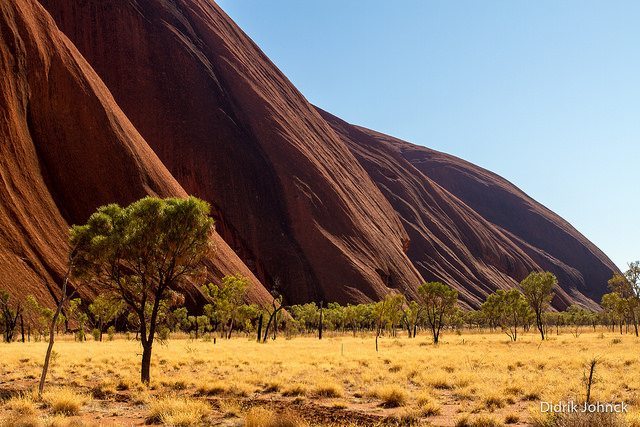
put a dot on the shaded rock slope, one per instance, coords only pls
(66, 148)
(186, 103)
(292, 200)
(472, 228)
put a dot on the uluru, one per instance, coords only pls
(106, 101)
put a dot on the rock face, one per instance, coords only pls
(185, 103)
(292, 200)
(470, 227)
(66, 149)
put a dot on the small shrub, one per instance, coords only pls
(64, 401)
(440, 383)
(430, 409)
(103, 390)
(230, 408)
(21, 405)
(17, 420)
(391, 396)
(493, 402)
(272, 387)
(212, 389)
(405, 418)
(163, 333)
(261, 417)
(95, 333)
(294, 390)
(511, 419)
(111, 333)
(481, 421)
(179, 412)
(328, 390)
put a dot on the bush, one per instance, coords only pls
(328, 390)
(96, 334)
(64, 401)
(163, 333)
(111, 333)
(391, 396)
(481, 421)
(261, 417)
(21, 405)
(179, 412)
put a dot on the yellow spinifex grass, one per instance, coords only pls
(471, 374)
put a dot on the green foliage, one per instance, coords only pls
(509, 310)
(439, 302)
(39, 317)
(104, 309)
(388, 312)
(111, 332)
(578, 316)
(538, 290)
(77, 314)
(9, 314)
(225, 301)
(142, 253)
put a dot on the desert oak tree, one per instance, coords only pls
(538, 290)
(439, 302)
(142, 253)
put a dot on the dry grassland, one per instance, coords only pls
(469, 379)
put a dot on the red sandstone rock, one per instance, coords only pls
(66, 148)
(291, 199)
(472, 228)
(320, 208)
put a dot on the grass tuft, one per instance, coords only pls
(261, 417)
(391, 396)
(328, 389)
(63, 401)
(178, 412)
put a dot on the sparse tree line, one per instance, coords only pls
(139, 258)
(436, 308)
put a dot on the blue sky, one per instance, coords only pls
(544, 93)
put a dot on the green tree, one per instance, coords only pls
(384, 313)
(622, 285)
(226, 299)
(198, 323)
(538, 290)
(491, 310)
(616, 307)
(412, 312)
(141, 253)
(577, 316)
(10, 313)
(104, 309)
(439, 302)
(512, 310)
(77, 314)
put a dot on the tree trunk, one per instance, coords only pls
(260, 326)
(52, 328)
(540, 325)
(320, 325)
(230, 329)
(145, 371)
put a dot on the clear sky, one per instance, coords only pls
(545, 93)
